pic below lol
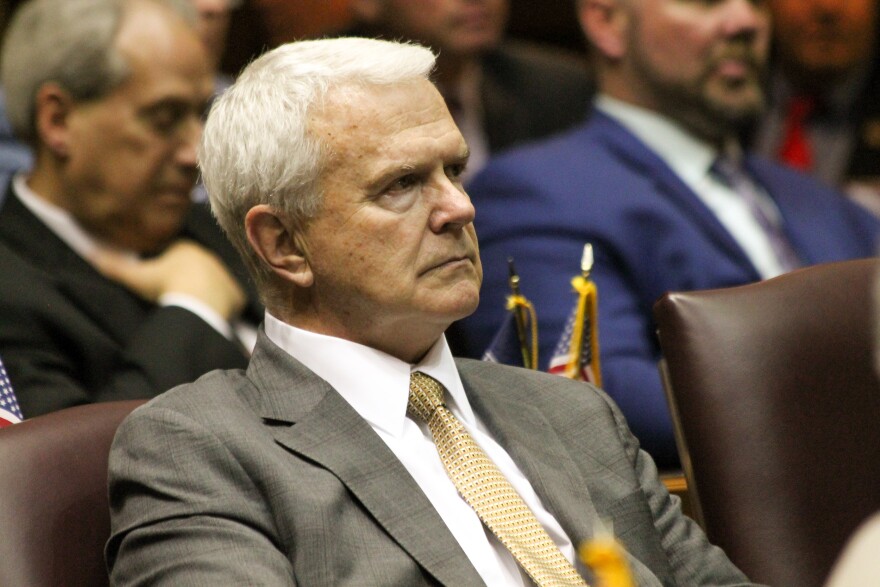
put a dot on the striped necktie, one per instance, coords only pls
(732, 174)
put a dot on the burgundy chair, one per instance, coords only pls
(776, 403)
(54, 516)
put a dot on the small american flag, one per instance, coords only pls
(516, 342)
(577, 352)
(10, 413)
(574, 365)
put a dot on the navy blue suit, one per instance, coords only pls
(651, 234)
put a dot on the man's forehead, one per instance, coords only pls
(378, 109)
(376, 119)
(170, 64)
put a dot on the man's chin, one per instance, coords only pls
(174, 200)
(464, 305)
(156, 239)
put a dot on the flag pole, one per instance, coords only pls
(586, 314)
(518, 307)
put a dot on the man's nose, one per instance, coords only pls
(454, 209)
(743, 17)
(190, 135)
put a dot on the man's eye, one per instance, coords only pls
(455, 172)
(166, 120)
(403, 183)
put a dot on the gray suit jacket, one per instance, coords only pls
(269, 477)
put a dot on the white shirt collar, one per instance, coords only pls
(59, 221)
(691, 160)
(374, 383)
(687, 156)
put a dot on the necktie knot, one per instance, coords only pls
(425, 396)
(729, 171)
(725, 170)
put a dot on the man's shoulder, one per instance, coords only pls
(590, 147)
(804, 190)
(593, 164)
(528, 385)
(214, 397)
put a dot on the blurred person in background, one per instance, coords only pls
(214, 20)
(213, 26)
(13, 154)
(824, 94)
(500, 93)
(115, 284)
(657, 182)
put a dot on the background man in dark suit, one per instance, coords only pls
(656, 182)
(500, 93)
(335, 168)
(117, 287)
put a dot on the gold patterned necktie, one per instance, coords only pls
(487, 491)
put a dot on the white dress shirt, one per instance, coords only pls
(377, 387)
(691, 159)
(65, 227)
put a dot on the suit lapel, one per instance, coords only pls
(328, 431)
(116, 310)
(634, 154)
(537, 449)
(801, 214)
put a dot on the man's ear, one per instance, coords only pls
(52, 109)
(272, 236)
(605, 23)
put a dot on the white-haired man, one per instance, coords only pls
(335, 167)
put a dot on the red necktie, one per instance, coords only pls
(795, 150)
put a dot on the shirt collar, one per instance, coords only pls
(60, 221)
(373, 382)
(687, 156)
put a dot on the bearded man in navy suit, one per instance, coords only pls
(639, 180)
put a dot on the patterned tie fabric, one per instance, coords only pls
(733, 175)
(487, 491)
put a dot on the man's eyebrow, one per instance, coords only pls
(387, 174)
(175, 102)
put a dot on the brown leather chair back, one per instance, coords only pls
(54, 515)
(777, 409)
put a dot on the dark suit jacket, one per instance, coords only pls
(269, 477)
(529, 92)
(70, 336)
(864, 160)
(650, 234)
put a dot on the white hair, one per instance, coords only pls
(257, 147)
